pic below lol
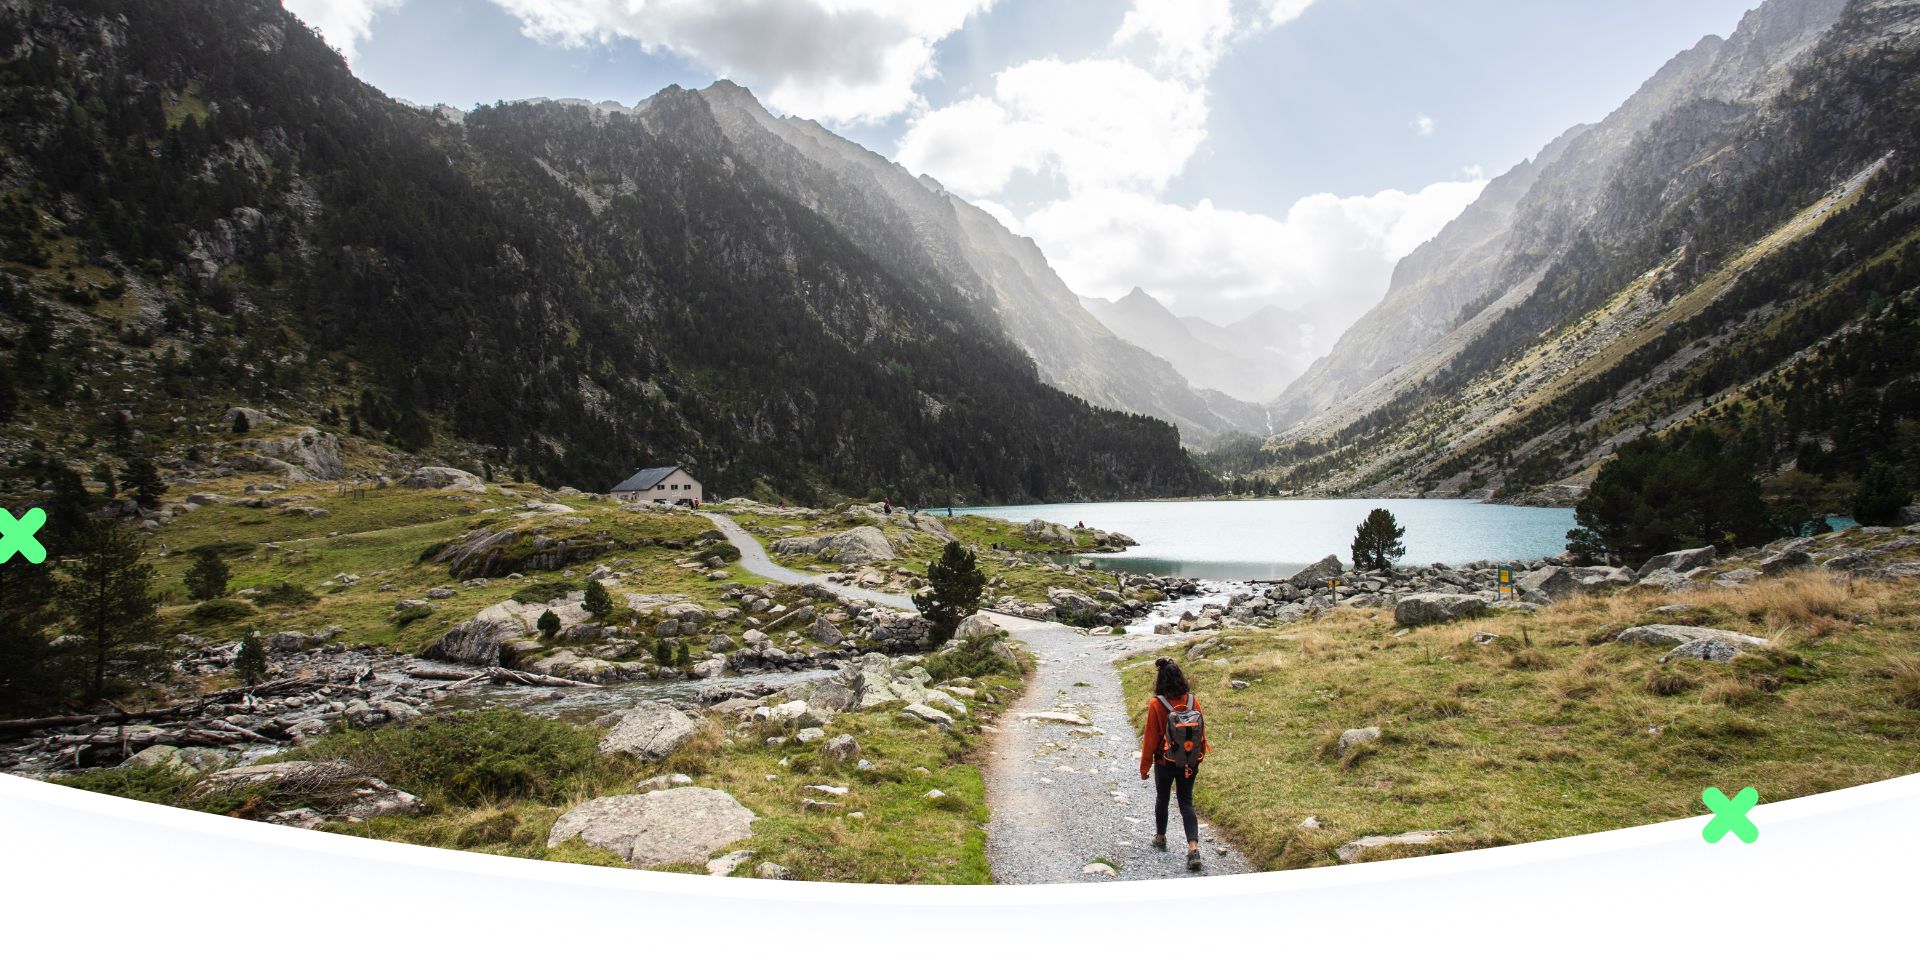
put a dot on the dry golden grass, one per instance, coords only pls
(1551, 727)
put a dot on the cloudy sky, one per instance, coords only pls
(1221, 154)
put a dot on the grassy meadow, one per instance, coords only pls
(1519, 727)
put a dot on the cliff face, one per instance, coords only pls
(1534, 213)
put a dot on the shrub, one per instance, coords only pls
(283, 594)
(542, 592)
(218, 611)
(680, 656)
(973, 657)
(1883, 491)
(663, 653)
(549, 623)
(727, 552)
(473, 757)
(408, 615)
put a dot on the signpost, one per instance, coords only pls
(1506, 581)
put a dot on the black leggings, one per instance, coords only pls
(1166, 777)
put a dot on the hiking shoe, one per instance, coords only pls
(1160, 842)
(1193, 861)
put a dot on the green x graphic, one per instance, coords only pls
(16, 536)
(1730, 815)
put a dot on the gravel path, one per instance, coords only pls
(754, 557)
(1063, 794)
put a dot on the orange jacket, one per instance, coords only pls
(1156, 731)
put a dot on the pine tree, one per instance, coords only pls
(251, 663)
(954, 585)
(105, 592)
(663, 653)
(34, 676)
(1376, 541)
(143, 480)
(1884, 489)
(240, 423)
(549, 623)
(680, 656)
(207, 578)
(598, 603)
(110, 487)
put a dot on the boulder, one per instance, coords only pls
(1680, 561)
(673, 825)
(1415, 610)
(1319, 572)
(650, 730)
(978, 624)
(180, 761)
(1354, 850)
(1072, 605)
(875, 680)
(337, 790)
(1558, 583)
(860, 545)
(1786, 561)
(444, 478)
(1354, 737)
(825, 632)
(932, 716)
(477, 642)
(842, 749)
(1703, 643)
(310, 453)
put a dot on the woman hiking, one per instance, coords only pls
(1174, 744)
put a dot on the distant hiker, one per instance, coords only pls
(887, 505)
(1175, 743)
(1079, 524)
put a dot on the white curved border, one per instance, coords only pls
(92, 878)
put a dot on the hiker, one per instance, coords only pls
(887, 505)
(1174, 745)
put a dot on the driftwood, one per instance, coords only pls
(435, 674)
(280, 688)
(501, 675)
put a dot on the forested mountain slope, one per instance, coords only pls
(201, 206)
(1747, 266)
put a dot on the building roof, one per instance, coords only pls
(645, 479)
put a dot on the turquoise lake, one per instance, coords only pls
(1258, 539)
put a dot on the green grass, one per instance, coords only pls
(387, 537)
(1508, 741)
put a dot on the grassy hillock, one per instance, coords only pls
(293, 568)
(1521, 727)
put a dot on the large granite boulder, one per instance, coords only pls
(1680, 561)
(860, 545)
(650, 731)
(685, 824)
(979, 624)
(1072, 605)
(1415, 610)
(1358, 848)
(1702, 643)
(310, 453)
(875, 680)
(444, 478)
(1559, 583)
(1320, 572)
(478, 641)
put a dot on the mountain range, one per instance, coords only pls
(1698, 257)
(204, 208)
(1252, 359)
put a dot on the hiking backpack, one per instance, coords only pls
(1185, 739)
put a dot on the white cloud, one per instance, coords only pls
(1188, 36)
(1334, 253)
(344, 23)
(1422, 125)
(1095, 124)
(836, 60)
(1281, 11)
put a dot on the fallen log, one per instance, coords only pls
(436, 674)
(502, 675)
